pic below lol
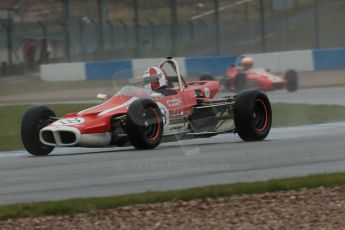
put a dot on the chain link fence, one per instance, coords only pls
(76, 30)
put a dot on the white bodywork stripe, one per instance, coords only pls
(89, 109)
(119, 106)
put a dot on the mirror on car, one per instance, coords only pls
(103, 97)
(155, 94)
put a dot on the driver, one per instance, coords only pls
(156, 80)
(247, 63)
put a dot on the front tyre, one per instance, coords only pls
(291, 77)
(144, 124)
(34, 119)
(253, 115)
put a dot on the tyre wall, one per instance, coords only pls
(300, 60)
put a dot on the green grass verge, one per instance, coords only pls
(283, 115)
(302, 114)
(74, 206)
(10, 122)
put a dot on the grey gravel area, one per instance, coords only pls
(319, 208)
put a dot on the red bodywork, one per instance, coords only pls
(260, 78)
(98, 119)
(97, 126)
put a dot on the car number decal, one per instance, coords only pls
(207, 92)
(165, 114)
(69, 121)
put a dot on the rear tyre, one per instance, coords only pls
(34, 119)
(240, 81)
(144, 124)
(291, 77)
(206, 77)
(253, 115)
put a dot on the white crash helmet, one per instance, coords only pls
(247, 63)
(154, 78)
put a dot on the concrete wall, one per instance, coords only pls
(300, 60)
(197, 66)
(139, 65)
(329, 59)
(63, 72)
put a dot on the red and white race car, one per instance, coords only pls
(238, 78)
(142, 118)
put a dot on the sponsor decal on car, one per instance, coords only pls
(174, 102)
(176, 128)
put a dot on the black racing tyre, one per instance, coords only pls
(291, 77)
(240, 81)
(34, 119)
(253, 115)
(206, 77)
(144, 124)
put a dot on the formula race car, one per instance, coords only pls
(241, 76)
(167, 108)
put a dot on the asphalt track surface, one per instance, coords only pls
(71, 173)
(76, 172)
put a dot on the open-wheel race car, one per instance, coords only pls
(241, 76)
(167, 108)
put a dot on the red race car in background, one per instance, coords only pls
(242, 76)
(167, 108)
